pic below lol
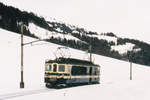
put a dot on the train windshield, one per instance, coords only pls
(61, 68)
(48, 68)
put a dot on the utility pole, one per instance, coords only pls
(90, 53)
(22, 51)
(22, 82)
(90, 48)
(130, 62)
(130, 70)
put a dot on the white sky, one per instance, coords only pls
(128, 18)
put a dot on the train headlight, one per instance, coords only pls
(48, 68)
(62, 75)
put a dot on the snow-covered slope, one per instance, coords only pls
(115, 83)
(45, 34)
(54, 31)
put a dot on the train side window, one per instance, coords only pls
(95, 71)
(74, 70)
(83, 70)
(54, 68)
(98, 70)
(48, 68)
(79, 70)
(88, 71)
(61, 68)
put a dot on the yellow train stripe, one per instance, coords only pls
(70, 77)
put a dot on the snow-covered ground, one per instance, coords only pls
(123, 49)
(115, 83)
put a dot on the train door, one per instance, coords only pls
(90, 74)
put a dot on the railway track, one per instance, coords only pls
(23, 93)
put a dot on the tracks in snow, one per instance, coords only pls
(23, 93)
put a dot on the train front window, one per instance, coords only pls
(61, 68)
(48, 68)
(54, 68)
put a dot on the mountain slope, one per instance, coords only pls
(107, 44)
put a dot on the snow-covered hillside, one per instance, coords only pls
(105, 43)
(45, 34)
(115, 83)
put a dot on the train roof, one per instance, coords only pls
(71, 61)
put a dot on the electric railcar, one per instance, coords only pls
(69, 72)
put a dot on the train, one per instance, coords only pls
(64, 72)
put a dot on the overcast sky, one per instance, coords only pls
(129, 18)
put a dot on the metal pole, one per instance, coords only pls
(22, 83)
(90, 49)
(90, 53)
(130, 70)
